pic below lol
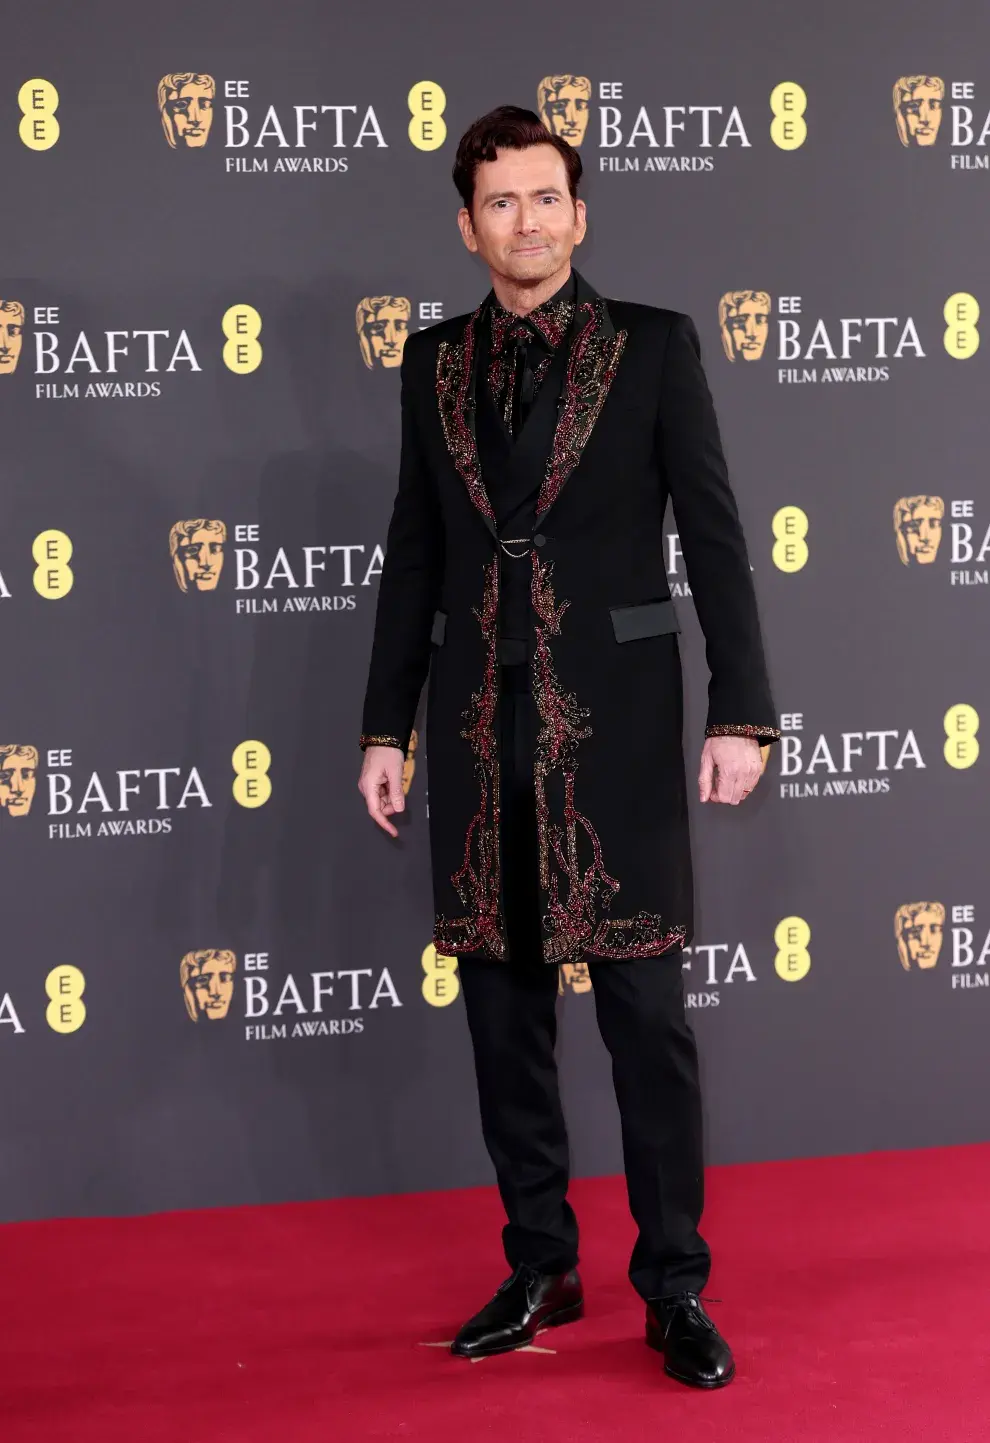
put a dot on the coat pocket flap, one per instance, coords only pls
(647, 618)
(439, 627)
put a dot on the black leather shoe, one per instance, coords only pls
(693, 1348)
(526, 1302)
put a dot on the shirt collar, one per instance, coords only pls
(549, 320)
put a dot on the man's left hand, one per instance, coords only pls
(730, 769)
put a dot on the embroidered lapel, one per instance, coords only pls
(595, 351)
(591, 366)
(456, 383)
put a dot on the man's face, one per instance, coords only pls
(565, 112)
(922, 937)
(11, 340)
(213, 987)
(191, 109)
(922, 112)
(523, 222)
(386, 333)
(747, 325)
(922, 531)
(202, 560)
(18, 780)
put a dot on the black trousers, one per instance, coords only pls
(511, 1010)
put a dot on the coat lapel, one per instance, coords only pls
(595, 349)
(457, 375)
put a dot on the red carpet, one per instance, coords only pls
(856, 1295)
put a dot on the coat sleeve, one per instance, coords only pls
(739, 698)
(409, 586)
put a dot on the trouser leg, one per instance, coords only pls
(641, 1017)
(511, 1011)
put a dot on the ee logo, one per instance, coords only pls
(788, 129)
(427, 128)
(66, 1012)
(961, 724)
(961, 312)
(790, 527)
(53, 576)
(793, 960)
(38, 102)
(252, 784)
(441, 983)
(242, 351)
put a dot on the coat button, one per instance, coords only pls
(539, 538)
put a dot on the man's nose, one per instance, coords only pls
(528, 220)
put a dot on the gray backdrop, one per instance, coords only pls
(361, 1081)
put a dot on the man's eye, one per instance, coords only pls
(28, 774)
(205, 103)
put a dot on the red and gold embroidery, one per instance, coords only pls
(379, 739)
(579, 888)
(724, 729)
(454, 361)
(478, 879)
(591, 367)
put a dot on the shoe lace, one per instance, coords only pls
(692, 1302)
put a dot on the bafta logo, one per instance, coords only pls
(918, 528)
(743, 323)
(11, 335)
(208, 983)
(918, 929)
(564, 102)
(18, 779)
(185, 103)
(409, 765)
(918, 101)
(196, 548)
(382, 327)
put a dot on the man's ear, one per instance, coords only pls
(466, 228)
(581, 221)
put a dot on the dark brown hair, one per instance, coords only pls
(509, 127)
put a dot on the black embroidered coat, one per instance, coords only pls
(635, 424)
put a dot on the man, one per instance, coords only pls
(541, 437)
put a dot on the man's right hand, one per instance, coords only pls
(380, 783)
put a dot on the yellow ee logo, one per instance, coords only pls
(793, 960)
(427, 128)
(37, 101)
(242, 352)
(53, 576)
(66, 1012)
(961, 724)
(252, 784)
(441, 983)
(790, 527)
(961, 312)
(788, 129)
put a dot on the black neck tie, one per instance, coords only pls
(525, 379)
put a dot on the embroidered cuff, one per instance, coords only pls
(382, 739)
(724, 729)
